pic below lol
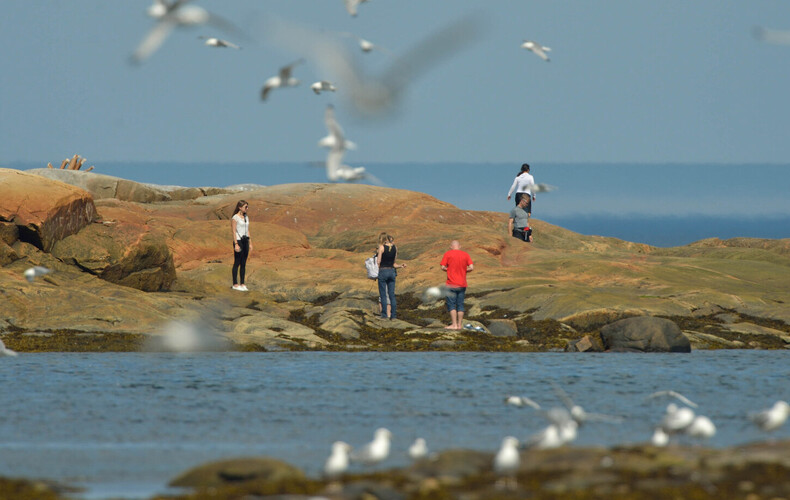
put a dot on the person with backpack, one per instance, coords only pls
(385, 258)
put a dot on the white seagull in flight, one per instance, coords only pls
(218, 42)
(538, 49)
(351, 6)
(322, 86)
(170, 15)
(336, 137)
(282, 79)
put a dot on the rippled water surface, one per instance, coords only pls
(125, 424)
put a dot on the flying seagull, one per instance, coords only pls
(35, 271)
(673, 394)
(336, 138)
(283, 79)
(538, 49)
(218, 42)
(351, 6)
(322, 86)
(175, 14)
(365, 45)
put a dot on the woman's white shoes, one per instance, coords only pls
(240, 288)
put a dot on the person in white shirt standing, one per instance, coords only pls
(240, 225)
(522, 185)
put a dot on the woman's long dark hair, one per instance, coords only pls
(240, 204)
(524, 168)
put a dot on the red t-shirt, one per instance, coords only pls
(456, 262)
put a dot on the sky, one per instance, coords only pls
(630, 81)
(646, 108)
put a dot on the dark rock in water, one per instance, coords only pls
(237, 470)
(503, 328)
(644, 334)
(584, 344)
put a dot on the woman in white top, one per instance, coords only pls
(522, 185)
(240, 225)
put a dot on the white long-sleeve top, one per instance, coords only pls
(521, 184)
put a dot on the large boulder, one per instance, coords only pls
(124, 253)
(237, 470)
(43, 211)
(644, 334)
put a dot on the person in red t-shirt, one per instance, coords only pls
(457, 263)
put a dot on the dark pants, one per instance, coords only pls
(240, 259)
(387, 290)
(522, 234)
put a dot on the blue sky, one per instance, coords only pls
(630, 81)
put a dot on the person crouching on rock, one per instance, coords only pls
(387, 254)
(518, 223)
(456, 263)
(240, 225)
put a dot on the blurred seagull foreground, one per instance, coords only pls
(373, 96)
(5, 351)
(35, 271)
(282, 79)
(175, 14)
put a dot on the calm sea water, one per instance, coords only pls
(125, 424)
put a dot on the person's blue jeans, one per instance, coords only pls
(387, 291)
(455, 299)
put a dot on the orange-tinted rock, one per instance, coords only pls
(44, 211)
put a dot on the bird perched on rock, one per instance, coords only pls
(35, 271)
(771, 418)
(536, 48)
(418, 449)
(507, 460)
(701, 427)
(338, 460)
(676, 419)
(376, 451)
(282, 79)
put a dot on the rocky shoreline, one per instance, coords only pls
(753, 472)
(132, 262)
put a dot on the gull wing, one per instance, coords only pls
(285, 71)
(333, 161)
(673, 394)
(768, 35)
(153, 40)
